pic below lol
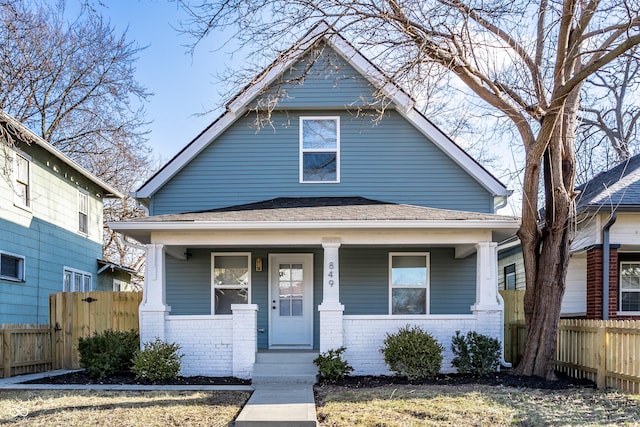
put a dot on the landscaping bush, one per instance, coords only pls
(475, 353)
(107, 353)
(158, 360)
(413, 353)
(331, 366)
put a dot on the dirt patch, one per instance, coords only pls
(128, 378)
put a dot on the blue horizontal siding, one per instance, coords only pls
(391, 162)
(47, 250)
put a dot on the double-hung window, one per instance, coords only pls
(76, 280)
(319, 149)
(11, 267)
(83, 212)
(630, 285)
(510, 277)
(409, 283)
(231, 277)
(22, 175)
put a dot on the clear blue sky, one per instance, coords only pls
(183, 85)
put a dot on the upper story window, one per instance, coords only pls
(320, 149)
(22, 174)
(231, 277)
(630, 286)
(11, 267)
(510, 277)
(83, 212)
(409, 283)
(76, 280)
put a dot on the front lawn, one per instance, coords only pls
(119, 408)
(473, 405)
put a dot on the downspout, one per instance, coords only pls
(606, 265)
(503, 362)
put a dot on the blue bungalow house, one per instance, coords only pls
(322, 229)
(50, 224)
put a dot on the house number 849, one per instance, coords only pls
(330, 274)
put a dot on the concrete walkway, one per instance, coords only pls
(291, 405)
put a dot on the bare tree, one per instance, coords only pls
(527, 59)
(73, 83)
(608, 131)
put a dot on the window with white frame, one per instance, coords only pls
(120, 285)
(409, 283)
(11, 267)
(83, 212)
(76, 280)
(231, 278)
(510, 277)
(320, 149)
(630, 286)
(22, 174)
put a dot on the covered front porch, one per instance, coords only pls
(225, 289)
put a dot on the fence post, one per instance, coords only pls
(601, 376)
(6, 359)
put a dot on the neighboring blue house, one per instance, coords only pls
(50, 224)
(322, 228)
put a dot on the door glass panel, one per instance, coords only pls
(296, 307)
(290, 289)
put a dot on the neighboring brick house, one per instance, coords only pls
(608, 219)
(322, 229)
(50, 224)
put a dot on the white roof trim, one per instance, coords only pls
(280, 225)
(369, 71)
(109, 190)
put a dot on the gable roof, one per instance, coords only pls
(8, 124)
(616, 189)
(403, 103)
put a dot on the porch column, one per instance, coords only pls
(331, 329)
(486, 277)
(245, 339)
(153, 308)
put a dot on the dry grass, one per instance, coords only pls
(119, 409)
(474, 405)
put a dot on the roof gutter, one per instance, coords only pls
(606, 264)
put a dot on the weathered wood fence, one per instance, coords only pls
(24, 349)
(606, 352)
(82, 314)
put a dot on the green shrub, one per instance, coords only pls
(413, 353)
(475, 353)
(107, 353)
(331, 366)
(158, 360)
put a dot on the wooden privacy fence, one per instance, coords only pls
(607, 352)
(514, 332)
(24, 349)
(81, 314)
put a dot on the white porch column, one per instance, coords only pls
(245, 339)
(486, 277)
(153, 308)
(331, 328)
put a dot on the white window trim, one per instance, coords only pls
(621, 311)
(506, 275)
(213, 284)
(21, 279)
(17, 201)
(75, 270)
(81, 193)
(302, 150)
(427, 255)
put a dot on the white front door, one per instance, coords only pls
(291, 300)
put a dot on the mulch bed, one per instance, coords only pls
(128, 378)
(504, 379)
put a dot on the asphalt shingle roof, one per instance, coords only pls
(617, 188)
(325, 209)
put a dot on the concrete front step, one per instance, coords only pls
(286, 357)
(281, 367)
